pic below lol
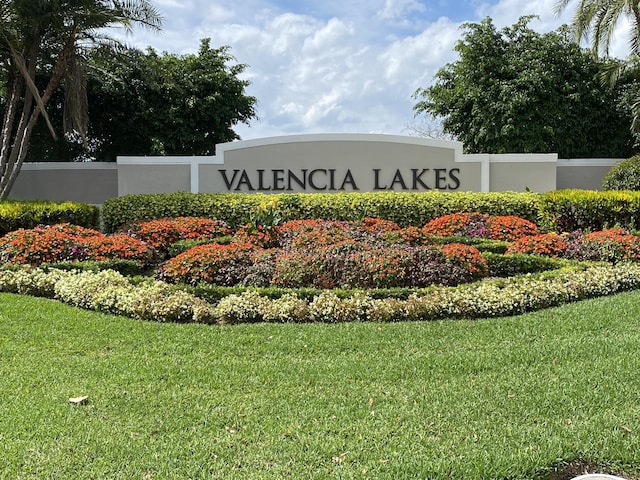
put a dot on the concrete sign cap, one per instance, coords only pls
(597, 476)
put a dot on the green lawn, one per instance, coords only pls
(510, 398)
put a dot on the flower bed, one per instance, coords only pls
(64, 242)
(328, 254)
(110, 292)
(366, 254)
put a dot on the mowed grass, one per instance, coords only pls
(507, 398)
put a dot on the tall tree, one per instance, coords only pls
(595, 21)
(167, 104)
(36, 32)
(515, 90)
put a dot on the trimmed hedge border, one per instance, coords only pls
(562, 210)
(20, 214)
(236, 209)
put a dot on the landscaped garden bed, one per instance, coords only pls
(461, 265)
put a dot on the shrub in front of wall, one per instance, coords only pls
(20, 214)
(624, 175)
(588, 210)
(403, 208)
(162, 233)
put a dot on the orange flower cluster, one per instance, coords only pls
(468, 257)
(162, 233)
(503, 227)
(66, 242)
(212, 263)
(613, 245)
(549, 244)
(462, 224)
(510, 228)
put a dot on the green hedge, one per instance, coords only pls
(19, 214)
(591, 210)
(403, 208)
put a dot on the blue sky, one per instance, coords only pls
(334, 66)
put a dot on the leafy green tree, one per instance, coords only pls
(515, 90)
(143, 103)
(51, 32)
(150, 104)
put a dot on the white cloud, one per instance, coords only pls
(337, 66)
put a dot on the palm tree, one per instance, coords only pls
(596, 20)
(54, 34)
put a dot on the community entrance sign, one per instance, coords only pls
(327, 163)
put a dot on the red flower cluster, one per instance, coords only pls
(510, 228)
(162, 233)
(212, 263)
(458, 225)
(613, 245)
(312, 233)
(507, 228)
(467, 257)
(549, 244)
(63, 242)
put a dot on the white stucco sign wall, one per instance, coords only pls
(328, 163)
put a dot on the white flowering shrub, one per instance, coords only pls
(159, 301)
(31, 281)
(288, 308)
(325, 307)
(247, 307)
(80, 289)
(109, 291)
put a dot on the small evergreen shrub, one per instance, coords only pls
(21, 214)
(517, 264)
(624, 175)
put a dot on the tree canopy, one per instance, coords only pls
(516, 90)
(145, 103)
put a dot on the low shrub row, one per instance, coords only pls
(108, 291)
(563, 210)
(15, 214)
(236, 209)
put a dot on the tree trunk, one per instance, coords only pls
(16, 144)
